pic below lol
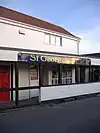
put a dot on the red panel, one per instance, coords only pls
(1, 94)
(4, 83)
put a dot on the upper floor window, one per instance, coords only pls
(47, 38)
(53, 39)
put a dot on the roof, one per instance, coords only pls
(20, 17)
(93, 55)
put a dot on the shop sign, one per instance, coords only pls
(52, 59)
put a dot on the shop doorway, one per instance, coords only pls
(82, 74)
(4, 84)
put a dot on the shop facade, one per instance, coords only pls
(32, 71)
(47, 76)
(41, 60)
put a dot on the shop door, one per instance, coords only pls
(82, 74)
(5, 84)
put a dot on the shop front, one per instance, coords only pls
(47, 77)
(51, 70)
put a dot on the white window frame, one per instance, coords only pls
(53, 43)
(45, 38)
(55, 80)
(67, 79)
(55, 39)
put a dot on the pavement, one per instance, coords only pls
(21, 103)
(80, 116)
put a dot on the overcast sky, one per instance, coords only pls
(81, 17)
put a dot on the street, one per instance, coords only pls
(80, 116)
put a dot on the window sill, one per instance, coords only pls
(53, 45)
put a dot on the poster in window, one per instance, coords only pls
(33, 74)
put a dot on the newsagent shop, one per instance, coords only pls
(47, 77)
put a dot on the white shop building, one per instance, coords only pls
(40, 59)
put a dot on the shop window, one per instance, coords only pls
(33, 72)
(54, 77)
(96, 75)
(67, 76)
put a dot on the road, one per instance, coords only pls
(81, 116)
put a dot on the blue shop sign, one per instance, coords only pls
(52, 59)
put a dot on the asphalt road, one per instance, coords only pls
(81, 116)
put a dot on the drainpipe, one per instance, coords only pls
(78, 49)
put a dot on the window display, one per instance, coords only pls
(67, 76)
(33, 73)
(54, 77)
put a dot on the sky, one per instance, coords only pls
(80, 17)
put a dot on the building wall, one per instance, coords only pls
(58, 92)
(86, 74)
(24, 75)
(73, 75)
(33, 39)
(8, 55)
(95, 61)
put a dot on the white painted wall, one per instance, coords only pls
(69, 46)
(73, 75)
(57, 92)
(10, 37)
(95, 61)
(86, 74)
(7, 55)
(23, 75)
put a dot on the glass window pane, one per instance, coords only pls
(69, 73)
(56, 81)
(53, 39)
(61, 41)
(33, 72)
(47, 36)
(57, 40)
(66, 81)
(64, 74)
(69, 81)
(54, 74)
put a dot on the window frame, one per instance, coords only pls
(55, 78)
(44, 38)
(50, 36)
(67, 77)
